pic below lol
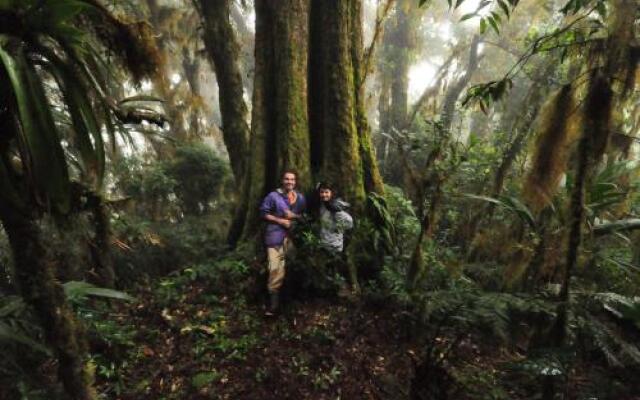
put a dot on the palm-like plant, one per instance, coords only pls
(54, 110)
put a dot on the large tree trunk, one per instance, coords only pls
(35, 276)
(279, 131)
(223, 50)
(341, 145)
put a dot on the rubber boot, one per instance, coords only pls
(274, 304)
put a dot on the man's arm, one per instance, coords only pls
(265, 211)
(275, 220)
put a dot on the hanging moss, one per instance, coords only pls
(557, 127)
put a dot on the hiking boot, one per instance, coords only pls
(274, 304)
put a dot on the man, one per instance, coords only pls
(280, 209)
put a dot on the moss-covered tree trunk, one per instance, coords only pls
(162, 82)
(35, 276)
(608, 84)
(223, 50)
(101, 246)
(279, 124)
(341, 144)
(519, 129)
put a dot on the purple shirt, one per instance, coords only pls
(276, 203)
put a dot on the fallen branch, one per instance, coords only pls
(621, 225)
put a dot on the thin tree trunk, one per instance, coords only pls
(520, 129)
(35, 276)
(101, 246)
(451, 98)
(223, 50)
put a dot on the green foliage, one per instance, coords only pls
(189, 183)
(52, 46)
(153, 249)
(608, 190)
(512, 204)
(77, 292)
(199, 175)
(23, 346)
(202, 379)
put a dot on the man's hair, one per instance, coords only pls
(289, 171)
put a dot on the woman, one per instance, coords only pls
(333, 217)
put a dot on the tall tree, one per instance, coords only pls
(395, 59)
(318, 129)
(279, 123)
(341, 143)
(223, 50)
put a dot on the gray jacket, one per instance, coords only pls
(332, 228)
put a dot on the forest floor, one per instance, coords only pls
(198, 334)
(188, 343)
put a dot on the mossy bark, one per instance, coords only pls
(101, 246)
(596, 130)
(342, 152)
(162, 83)
(520, 128)
(35, 276)
(279, 130)
(224, 52)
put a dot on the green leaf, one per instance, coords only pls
(141, 98)
(76, 96)
(78, 290)
(458, 3)
(467, 16)
(494, 24)
(523, 211)
(483, 26)
(504, 7)
(42, 146)
(63, 11)
(202, 379)
(8, 334)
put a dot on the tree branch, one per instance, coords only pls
(377, 36)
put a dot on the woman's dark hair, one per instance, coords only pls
(325, 186)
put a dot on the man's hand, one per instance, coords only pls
(285, 223)
(288, 214)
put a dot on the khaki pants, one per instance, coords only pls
(276, 258)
